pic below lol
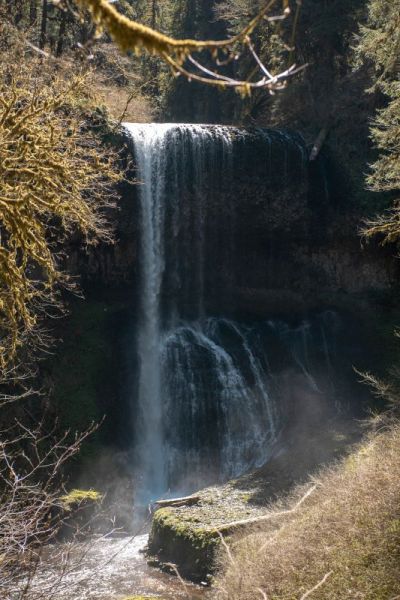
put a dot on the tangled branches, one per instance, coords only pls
(31, 510)
(54, 179)
(178, 54)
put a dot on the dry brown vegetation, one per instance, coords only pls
(56, 179)
(116, 82)
(342, 542)
(32, 513)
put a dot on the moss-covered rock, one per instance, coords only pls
(184, 542)
(77, 498)
(77, 512)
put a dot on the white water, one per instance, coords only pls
(151, 154)
(104, 569)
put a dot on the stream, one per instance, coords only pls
(107, 569)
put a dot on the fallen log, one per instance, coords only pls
(184, 501)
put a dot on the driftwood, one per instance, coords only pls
(184, 501)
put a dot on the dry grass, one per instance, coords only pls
(118, 83)
(123, 103)
(342, 543)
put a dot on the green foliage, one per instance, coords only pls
(55, 179)
(379, 47)
(386, 136)
(379, 40)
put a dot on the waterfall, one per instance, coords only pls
(206, 407)
(151, 156)
(218, 404)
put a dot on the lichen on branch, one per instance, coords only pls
(131, 35)
(55, 179)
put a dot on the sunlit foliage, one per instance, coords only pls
(55, 179)
(129, 34)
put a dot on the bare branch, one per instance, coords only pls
(130, 35)
(316, 587)
(229, 527)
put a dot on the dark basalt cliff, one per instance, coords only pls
(274, 238)
(278, 236)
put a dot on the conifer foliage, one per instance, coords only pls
(380, 47)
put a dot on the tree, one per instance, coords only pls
(32, 508)
(32, 12)
(178, 54)
(43, 26)
(379, 46)
(55, 178)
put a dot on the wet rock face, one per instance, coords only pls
(245, 207)
(111, 265)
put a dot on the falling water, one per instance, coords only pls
(205, 408)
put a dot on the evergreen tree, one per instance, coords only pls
(379, 46)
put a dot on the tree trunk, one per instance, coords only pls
(319, 142)
(32, 12)
(153, 14)
(61, 34)
(9, 6)
(43, 27)
(184, 501)
(18, 13)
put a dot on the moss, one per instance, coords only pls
(80, 496)
(184, 542)
(201, 537)
(78, 510)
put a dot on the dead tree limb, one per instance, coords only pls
(184, 501)
(235, 525)
(315, 588)
(319, 142)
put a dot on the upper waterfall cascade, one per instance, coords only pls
(207, 406)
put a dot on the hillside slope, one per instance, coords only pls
(343, 542)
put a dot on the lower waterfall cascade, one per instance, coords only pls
(208, 404)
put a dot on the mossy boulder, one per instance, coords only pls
(77, 498)
(183, 542)
(77, 511)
